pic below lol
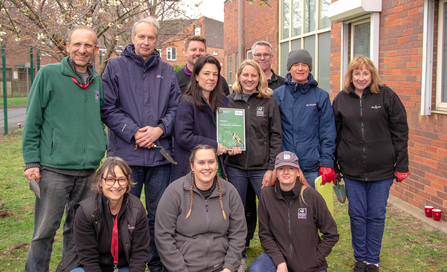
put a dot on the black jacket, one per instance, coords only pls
(372, 134)
(133, 234)
(289, 232)
(262, 131)
(275, 81)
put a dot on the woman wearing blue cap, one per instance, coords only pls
(290, 215)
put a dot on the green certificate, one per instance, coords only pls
(231, 127)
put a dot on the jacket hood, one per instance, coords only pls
(302, 87)
(129, 52)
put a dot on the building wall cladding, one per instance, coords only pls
(259, 22)
(400, 67)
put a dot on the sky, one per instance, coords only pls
(210, 8)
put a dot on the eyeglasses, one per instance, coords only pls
(111, 181)
(265, 55)
(79, 45)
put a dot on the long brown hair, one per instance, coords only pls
(195, 91)
(357, 63)
(301, 179)
(193, 177)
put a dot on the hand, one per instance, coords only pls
(282, 267)
(221, 149)
(401, 176)
(32, 171)
(267, 178)
(146, 136)
(327, 174)
(234, 151)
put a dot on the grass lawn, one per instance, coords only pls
(408, 245)
(14, 101)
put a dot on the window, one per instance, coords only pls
(305, 24)
(159, 51)
(197, 31)
(230, 69)
(215, 53)
(360, 41)
(441, 77)
(171, 53)
(249, 55)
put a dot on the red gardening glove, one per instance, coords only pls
(327, 174)
(401, 176)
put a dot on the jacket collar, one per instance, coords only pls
(301, 87)
(238, 96)
(68, 69)
(366, 91)
(153, 60)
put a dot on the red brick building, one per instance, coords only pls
(406, 39)
(211, 29)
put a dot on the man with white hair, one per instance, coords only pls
(140, 102)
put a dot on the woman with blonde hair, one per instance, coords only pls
(372, 142)
(200, 222)
(291, 214)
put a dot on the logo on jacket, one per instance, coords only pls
(310, 105)
(96, 96)
(376, 107)
(159, 76)
(260, 111)
(302, 213)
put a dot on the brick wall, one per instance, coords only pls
(400, 67)
(258, 23)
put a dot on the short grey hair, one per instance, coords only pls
(262, 43)
(148, 20)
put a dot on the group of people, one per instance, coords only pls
(201, 211)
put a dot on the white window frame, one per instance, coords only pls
(215, 53)
(169, 52)
(441, 107)
(249, 55)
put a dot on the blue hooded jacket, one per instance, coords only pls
(308, 126)
(139, 94)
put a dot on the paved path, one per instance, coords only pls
(15, 115)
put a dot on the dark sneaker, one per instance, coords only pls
(372, 268)
(360, 266)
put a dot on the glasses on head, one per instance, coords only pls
(111, 181)
(265, 55)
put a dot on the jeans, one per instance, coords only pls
(250, 214)
(58, 192)
(367, 208)
(80, 269)
(155, 180)
(241, 178)
(310, 178)
(265, 264)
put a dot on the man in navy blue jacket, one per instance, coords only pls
(140, 102)
(308, 126)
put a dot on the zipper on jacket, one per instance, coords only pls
(207, 235)
(363, 138)
(290, 230)
(247, 135)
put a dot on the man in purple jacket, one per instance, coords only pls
(140, 102)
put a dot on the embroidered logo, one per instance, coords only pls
(376, 107)
(159, 76)
(302, 213)
(260, 111)
(96, 96)
(286, 156)
(310, 105)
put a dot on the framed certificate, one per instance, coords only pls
(230, 125)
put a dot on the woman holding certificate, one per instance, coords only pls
(263, 140)
(195, 121)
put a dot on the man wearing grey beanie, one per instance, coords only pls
(308, 126)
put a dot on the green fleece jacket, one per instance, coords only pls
(63, 127)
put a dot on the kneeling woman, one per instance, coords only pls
(290, 215)
(200, 222)
(110, 228)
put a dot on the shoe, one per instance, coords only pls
(243, 265)
(372, 268)
(360, 266)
